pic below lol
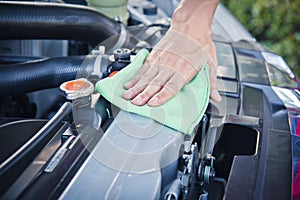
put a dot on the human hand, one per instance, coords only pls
(178, 57)
(174, 62)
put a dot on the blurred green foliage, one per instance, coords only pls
(274, 23)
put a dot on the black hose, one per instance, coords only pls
(37, 20)
(14, 59)
(21, 78)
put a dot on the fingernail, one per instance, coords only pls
(127, 94)
(127, 85)
(153, 101)
(137, 100)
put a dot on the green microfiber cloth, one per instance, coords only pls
(182, 112)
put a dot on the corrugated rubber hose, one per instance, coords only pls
(21, 78)
(37, 20)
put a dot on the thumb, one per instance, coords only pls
(214, 94)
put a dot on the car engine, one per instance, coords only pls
(62, 140)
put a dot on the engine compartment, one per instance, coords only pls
(53, 147)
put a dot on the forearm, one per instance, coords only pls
(194, 18)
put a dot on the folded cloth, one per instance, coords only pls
(182, 112)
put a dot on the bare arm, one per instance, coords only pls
(178, 57)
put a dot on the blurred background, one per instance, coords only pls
(274, 23)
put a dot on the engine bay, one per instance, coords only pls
(62, 142)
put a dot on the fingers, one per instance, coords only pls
(144, 97)
(146, 68)
(140, 82)
(159, 90)
(137, 77)
(173, 74)
(161, 83)
(164, 73)
(156, 74)
(152, 88)
(174, 85)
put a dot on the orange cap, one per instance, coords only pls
(77, 88)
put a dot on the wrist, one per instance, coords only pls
(194, 18)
